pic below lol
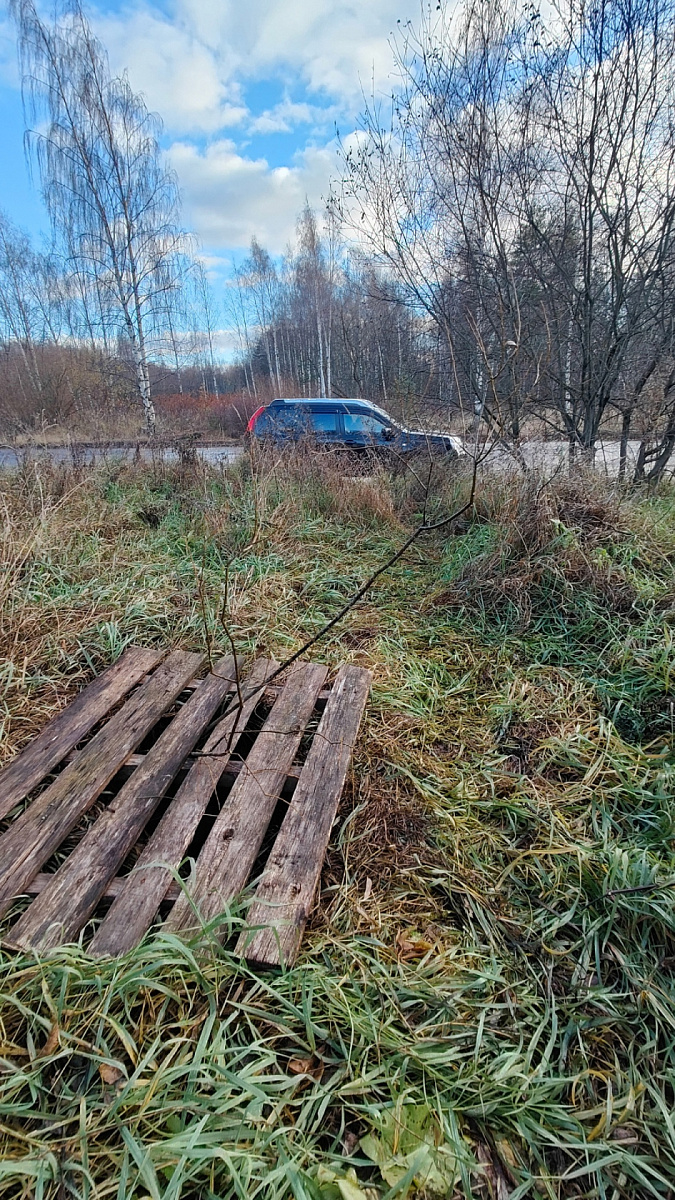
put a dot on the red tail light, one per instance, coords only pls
(254, 418)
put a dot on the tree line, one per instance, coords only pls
(326, 321)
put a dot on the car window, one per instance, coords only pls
(363, 423)
(263, 423)
(277, 420)
(324, 422)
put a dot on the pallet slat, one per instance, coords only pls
(232, 846)
(34, 836)
(285, 894)
(136, 906)
(60, 911)
(64, 731)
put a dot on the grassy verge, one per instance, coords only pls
(484, 1005)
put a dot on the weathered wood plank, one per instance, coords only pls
(34, 836)
(60, 911)
(64, 731)
(134, 911)
(226, 859)
(285, 894)
(273, 690)
(113, 888)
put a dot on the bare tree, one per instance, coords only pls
(328, 314)
(522, 192)
(427, 189)
(260, 278)
(20, 323)
(33, 316)
(237, 309)
(311, 271)
(601, 202)
(113, 206)
(207, 321)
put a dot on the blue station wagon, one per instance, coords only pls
(355, 425)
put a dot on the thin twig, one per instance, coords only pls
(424, 527)
(228, 635)
(642, 887)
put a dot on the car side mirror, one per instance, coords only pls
(389, 435)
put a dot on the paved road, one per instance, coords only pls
(93, 454)
(552, 455)
(547, 455)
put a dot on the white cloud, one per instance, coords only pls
(230, 198)
(193, 66)
(335, 46)
(226, 343)
(194, 59)
(181, 78)
(192, 63)
(213, 263)
(287, 115)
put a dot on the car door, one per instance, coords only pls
(364, 430)
(325, 426)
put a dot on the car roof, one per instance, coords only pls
(326, 402)
(306, 400)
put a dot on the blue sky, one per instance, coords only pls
(250, 93)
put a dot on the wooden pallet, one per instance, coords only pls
(151, 768)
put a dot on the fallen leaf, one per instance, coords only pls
(407, 1141)
(411, 944)
(111, 1076)
(306, 1066)
(493, 1172)
(347, 1185)
(349, 1142)
(508, 1154)
(300, 1066)
(368, 889)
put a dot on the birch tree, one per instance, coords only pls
(113, 206)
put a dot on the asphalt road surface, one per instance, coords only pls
(97, 454)
(549, 456)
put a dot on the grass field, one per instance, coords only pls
(484, 1005)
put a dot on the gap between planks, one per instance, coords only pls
(135, 908)
(230, 851)
(271, 691)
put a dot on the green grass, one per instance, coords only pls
(481, 1008)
